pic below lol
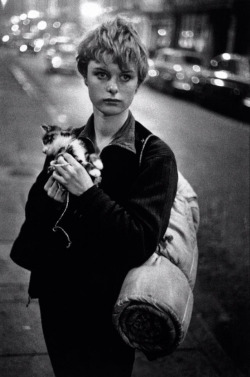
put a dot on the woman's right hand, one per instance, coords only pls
(55, 190)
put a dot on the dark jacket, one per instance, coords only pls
(113, 227)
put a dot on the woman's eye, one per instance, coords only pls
(101, 75)
(125, 77)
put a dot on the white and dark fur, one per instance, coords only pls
(57, 141)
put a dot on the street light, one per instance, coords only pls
(4, 2)
(90, 11)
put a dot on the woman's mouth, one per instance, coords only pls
(111, 101)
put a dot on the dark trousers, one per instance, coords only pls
(78, 344)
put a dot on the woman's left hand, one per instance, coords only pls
(72, 175)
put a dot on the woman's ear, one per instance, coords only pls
(86, 81)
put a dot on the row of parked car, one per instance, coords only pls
(224, 81)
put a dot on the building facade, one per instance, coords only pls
(210, 27)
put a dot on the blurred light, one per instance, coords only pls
(236, 91)
(23, 48)
(186, 86)
(226, 56)
(56, 62)
(14, 19)
(196, 68)
(162, 32)
(153, 73)
(195, 80)
(4, 2)
(26, 22)
(23, 16)
(177, 67)
(14, 27)
(214, 63)
(33, 14)
(221, 74)
(187, 34)
(50, 51)
(5, 38)
(217, 82)
(56, 24)
(150, 63)
(42, 25)
(91, 10)
(246, 102)
(33, 29)
(180, 76)
(39, 42)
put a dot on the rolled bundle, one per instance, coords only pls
(154, 307)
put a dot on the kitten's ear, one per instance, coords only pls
(45, 127)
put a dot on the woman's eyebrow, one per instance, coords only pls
(100, 68)
(129, 70)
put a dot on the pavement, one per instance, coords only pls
(22, 349)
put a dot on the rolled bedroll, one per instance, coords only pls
(155, 303)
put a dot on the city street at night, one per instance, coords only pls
(212, 151)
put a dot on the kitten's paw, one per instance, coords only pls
(96, 161)
(94, 172)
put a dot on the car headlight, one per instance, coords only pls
(217, 82)
(5, 38)
(56, 62)
(246, 102)
(153, 72)
(23, 48)
(195, 80)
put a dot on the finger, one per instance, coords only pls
(60, 178)
(60, 195)
(70, 159)
(52, 190)
(49, 183)
(63, 171)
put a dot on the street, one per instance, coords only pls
(212, 152)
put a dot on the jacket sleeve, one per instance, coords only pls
(36, 237)
(137, 225)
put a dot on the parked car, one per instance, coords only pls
(60, 56)
(225, 82)
(172, 70)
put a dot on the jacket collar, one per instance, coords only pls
(124, 137)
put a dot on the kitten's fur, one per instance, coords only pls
(57, 141)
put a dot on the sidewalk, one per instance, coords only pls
(22, 349)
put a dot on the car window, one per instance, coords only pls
(192, 60)
(178, 59)
(226, 65)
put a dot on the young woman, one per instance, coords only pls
(113, 227)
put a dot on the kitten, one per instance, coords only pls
(57, 141)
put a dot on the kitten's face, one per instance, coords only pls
(54, 137)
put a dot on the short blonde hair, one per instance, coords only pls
(117, 38)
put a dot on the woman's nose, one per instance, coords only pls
(112, 87)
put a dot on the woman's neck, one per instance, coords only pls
(106, 127)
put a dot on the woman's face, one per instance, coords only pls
(111, 90)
